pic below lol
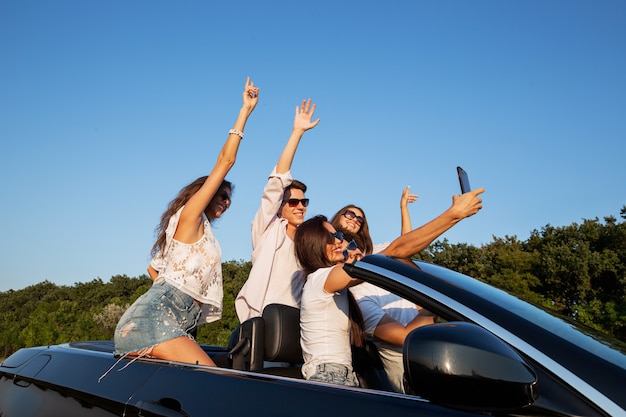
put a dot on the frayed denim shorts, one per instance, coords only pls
(163, 313)
(334, 373)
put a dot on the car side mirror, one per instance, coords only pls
(461, 365)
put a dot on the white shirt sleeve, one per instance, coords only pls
(270, 203)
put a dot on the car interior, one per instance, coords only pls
(270, 344)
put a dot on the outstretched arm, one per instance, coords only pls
(189, 226)
(301, 123)
(409, 244)
(280, 178)
(405, 217)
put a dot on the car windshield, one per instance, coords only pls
(563, 327)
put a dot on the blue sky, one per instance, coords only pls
(108, 108)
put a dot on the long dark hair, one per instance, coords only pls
(364, 230)
(180, 200)
(310, 243)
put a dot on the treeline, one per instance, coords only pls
(45, 313)
(578, 270)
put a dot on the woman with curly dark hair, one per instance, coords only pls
(187, 267)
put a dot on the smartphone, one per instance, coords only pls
(463, 180)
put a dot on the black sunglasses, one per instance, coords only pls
(224, 195)
(351, 246)
(350, 215)
(336, 235)
(293, 202)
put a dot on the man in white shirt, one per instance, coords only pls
(275, 275)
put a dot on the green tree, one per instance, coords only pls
(578, 270)
(234, 275)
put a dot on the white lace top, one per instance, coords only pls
(194, 268)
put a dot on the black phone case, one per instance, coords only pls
(463, 180)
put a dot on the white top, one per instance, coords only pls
(275, 276)
(375, 302)
(193, 268)
(286, 278)
(379, 247)
(324, 324)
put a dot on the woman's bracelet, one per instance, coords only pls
(236, 132)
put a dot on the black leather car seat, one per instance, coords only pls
(282, 340)
(271, 343)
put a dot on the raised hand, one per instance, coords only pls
(250, 95)
(304, 114)
(405, 217)
(468, 204)
(407, 197)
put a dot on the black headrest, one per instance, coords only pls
(282, 333)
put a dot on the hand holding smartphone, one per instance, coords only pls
(463, 180)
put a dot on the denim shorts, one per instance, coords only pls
(334, 373)
(163, 313)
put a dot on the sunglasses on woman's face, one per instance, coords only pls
(224, 195)
(293, 202)
(336, 235)
(351, 246)
(350, 215)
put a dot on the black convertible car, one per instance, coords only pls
(489, 354)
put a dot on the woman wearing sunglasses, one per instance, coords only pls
(275, 275)
(330, 320)
(186, 268)
(387, 318)
(352, 218)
